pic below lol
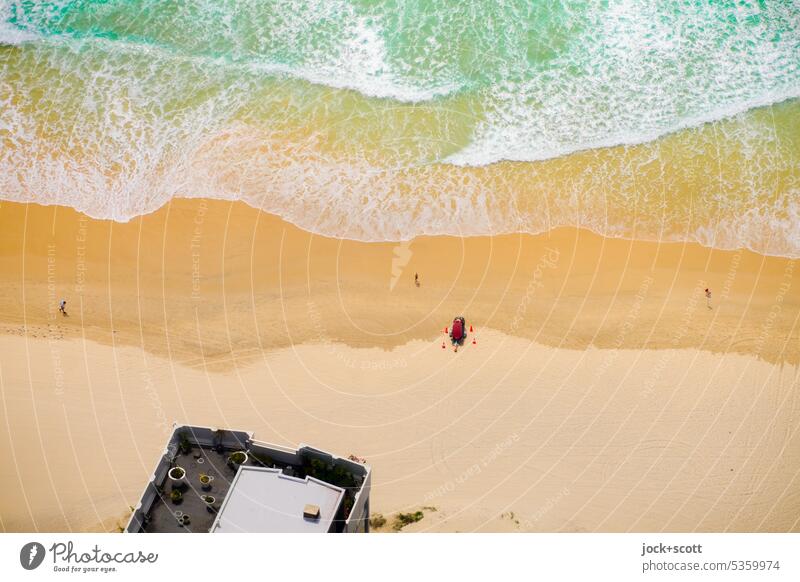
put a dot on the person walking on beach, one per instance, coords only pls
(708, 298)
(416, 279)
(62, 307)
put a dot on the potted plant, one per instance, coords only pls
(177, 476)
(237, 459)
(183, 444)
(176, 496)
(205, 481)
(219, 436)
(210, 500)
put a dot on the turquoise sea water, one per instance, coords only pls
(348, 89)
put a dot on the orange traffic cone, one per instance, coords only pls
(470, 329)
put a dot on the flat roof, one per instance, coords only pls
(264, 500)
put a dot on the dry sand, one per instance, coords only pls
(602, 393)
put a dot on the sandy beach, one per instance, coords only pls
(603, 393)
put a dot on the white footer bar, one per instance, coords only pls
(506, 557)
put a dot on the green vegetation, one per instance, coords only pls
(183, 443)
(404, 519)
(377, 521)
(347, 504)
(238, 457)
(335, 475)
(205, 479)
(176, 496)
(177, 473)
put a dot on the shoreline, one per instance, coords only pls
(568, 288)
(349, 239)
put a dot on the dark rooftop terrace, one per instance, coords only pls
(207, 451)
(163, 515)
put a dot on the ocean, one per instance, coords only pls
(659, 120)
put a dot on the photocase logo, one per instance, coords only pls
(31, 555)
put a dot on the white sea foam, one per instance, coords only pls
(9, 33)
(137, 153)
(362, 65)
(626, 83)
(503, 144)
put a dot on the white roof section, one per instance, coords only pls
(264, 500)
